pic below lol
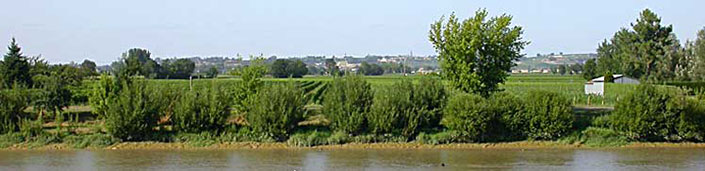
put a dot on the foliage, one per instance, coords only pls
(697, 55)
(332, 68)
(548, 115)
(53, 96)
(90, 140)
(130, 114)
(471, 116)
(407, 108)
(444, 137)
(283, 68)
(596, 137)
(136, 61)
(251, 82)
(88, 68)
(176, 68)
(276, 110)
(609, 78)
(477, 54)
(391, 108)
(200, 111)
(309, 139)
(212, 72)
(511, 113)
(370, 69)
(15, 67)
(430, 97)
(648, 51)
(13, 103)
(590, 69)
(105, 89)
(692, 121)
(648, 113)
(347, 102)
(562, 69)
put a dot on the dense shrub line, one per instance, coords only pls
(658, 114)
(422, 111)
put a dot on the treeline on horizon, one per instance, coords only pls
(471, 107)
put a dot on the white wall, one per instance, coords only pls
(596, 88)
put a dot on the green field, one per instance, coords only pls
(571, 86)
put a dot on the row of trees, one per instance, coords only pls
(31, 81)
(138, 61)
(651, 51)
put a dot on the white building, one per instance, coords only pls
(597, 86)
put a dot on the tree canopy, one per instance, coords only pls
(139, 62)
(283, 68)
(15, 67)
(371, 69)
(648, 50)
(477, 53)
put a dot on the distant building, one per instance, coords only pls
(597, 86)
(619, 79)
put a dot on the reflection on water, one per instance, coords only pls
(391, 159)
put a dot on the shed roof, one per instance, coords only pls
(602, 79)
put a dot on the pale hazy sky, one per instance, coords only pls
(73, 30)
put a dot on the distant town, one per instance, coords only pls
(540, 63)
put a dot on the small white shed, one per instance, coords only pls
(597, 86)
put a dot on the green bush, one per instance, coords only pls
(276, 110)
(548, 115)
(428, 99)
(406, 108)
(29, 128)
(391, 108)
(596, 137)
(346, 102)
(9, 139)
(166, 97)
(309, 139)
(510, 123)
(131, 115)
(692, 121)
(13, 102)
(649, 113)
(339, 138)
(199, 111)
(102, 92)
(471, 116)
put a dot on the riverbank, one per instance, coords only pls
(267, 146)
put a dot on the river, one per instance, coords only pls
(359, 159)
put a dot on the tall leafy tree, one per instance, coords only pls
(15, 67)
(88, 68)
(697, 52)
(648, 50)
(477, 53)
(283, 68)
(137, 61)
(562, 69)
(370, 69)
(590, 69)
(177, 69)
(332, 68)
(212, 72)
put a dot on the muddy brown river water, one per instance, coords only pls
(359, 159)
